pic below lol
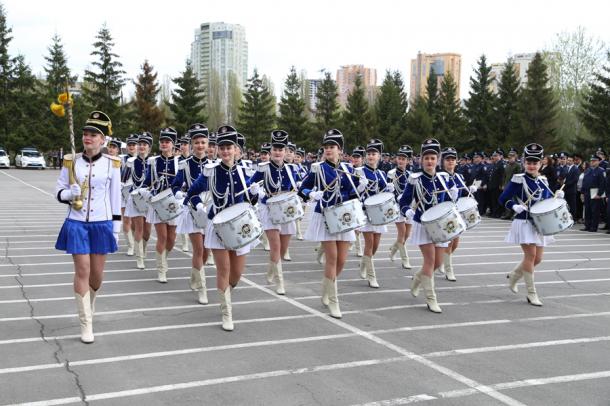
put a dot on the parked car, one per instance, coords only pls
(30, 158)
(4, 159)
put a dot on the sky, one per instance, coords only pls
(311, 35)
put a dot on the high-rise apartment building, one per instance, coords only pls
(312, 86)
(442, 64)
(521, 63)
(346, 77)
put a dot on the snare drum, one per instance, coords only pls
(551, 216)
(284, 208)
(443, 222)
(126, 190)
(165, 205)
(237, 226)
(344, 217)
(139, 202)
(469, 210)
(200, 217)
(381, 209)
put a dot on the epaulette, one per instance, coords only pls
(152, 159)
(518, 178)
(208, 169)
(443, 174)
(315, 167)
(262, 167)
(413, 177)
(183, 164)
(392, 173)
(116, 161)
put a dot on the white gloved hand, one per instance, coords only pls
(117, 225)
(299, 183)
(261, 193)
(255, 188)
(316, 195)
(453, 192)
(145, 193)
(519, 208)
(199, 207)
(473, 189)
(390, 187)
(75, 190)
(560, 194)
(179, 195)
(362, 184)
(409, 214)
(116, 238)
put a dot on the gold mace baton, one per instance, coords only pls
(77, 203)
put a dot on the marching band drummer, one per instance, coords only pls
(520, 194)
(289, 162)
(264, 155)
(277, 177)
(91, 232)
(357, 161)
(185, 153)
(131, 143)
(227, 182)
(189, 171)
(449, 163)
(332, 186)
(160, 175)
(377, 183)
(424, 190)
(301, 172)
(399, 177)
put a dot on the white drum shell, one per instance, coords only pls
(139, 202)
(200, 217)
(551, 216)
(443, 222)
(165, 205)
(382, 209)
(284, 208)
(469, 210)
(344, 217)
(237, 226)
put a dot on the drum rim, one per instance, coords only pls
(161, 195)
(561, 202)
(390, 197)
(274, 199)
(233, 218)
(438, 218)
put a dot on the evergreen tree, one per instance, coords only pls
(103, 86)
(188, 100)
(257, 113)
(480, 109)
(327, 107)
(391, 109)
(6, 73)
(292, 117)
(507, 112)
(450, 120)
(148, 115)
(432, 99)
(595, 111)
(418, 121)
(357, 119)
(538, 107)
(57, 70)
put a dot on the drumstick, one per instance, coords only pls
(260, 182)
(561, 188)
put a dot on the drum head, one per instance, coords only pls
(465, 203)
(230, 212)
(281, 197)
(546, 206)
(161, 195)
(437, 211)
(378, 198)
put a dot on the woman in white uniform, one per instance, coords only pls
(399, 176)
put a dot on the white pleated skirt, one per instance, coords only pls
(284, 229)
(153, 218)
(131, 211)
(403, 219)
(185, 223)
(524, 232)
(419, 236)
(211, 241)
(317, 231)
(369, 228)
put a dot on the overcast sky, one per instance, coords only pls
(311, 35)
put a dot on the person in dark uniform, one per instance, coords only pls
(607, 200)
(570, 186)
(478, 173)
(578, 163)
(602, 158)
(593, 185)
(548, 170)
(495, 184)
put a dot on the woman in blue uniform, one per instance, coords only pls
(399, 176)
(190, 169)
(92, 226)
(357, 161)
(128, 228)
(227, 183)
(328, 183)
(376, 183)
(276, 177)
(523, 191)
(160, 175)
(424, 190)
(301, 172)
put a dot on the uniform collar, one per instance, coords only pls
(331, 164)
(427, 175)
(276, 165)
(370, 167)
(226, 167)
(93, 158)
(197, 160)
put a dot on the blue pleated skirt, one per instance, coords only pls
(79, 237)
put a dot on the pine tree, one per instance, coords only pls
(327, 106)
(257, 113)
(431, 98)
(507, 112)
(450, 124)
(595, 111)
(188, 100)
(480, 108)
(538, 107)
(357, 119)
(148, 115)
(391, 109)
(292, 117)
(102, 89)
(418, 121)
(6, 73)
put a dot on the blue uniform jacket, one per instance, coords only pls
(516, 192)
(594, 178)
(399, 179)
(190, 169)
(428, 185)
(138, 172)
(457, 180)
(160, 173)
(377, 181)
(276, 178)
(325, 173)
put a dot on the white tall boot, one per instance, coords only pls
(320, 256)
(448, 263)
(185, 242)
(363, 268)
(440, 270)
(161, 266)
(83, 304)
(299, 232)
(200, 285)
(277, 269)
(144, 248)
(92, 296)
(140, 255)
(130, 242)
(265, 242)
(370, 272)
(226, 309)
(358, 246)
(428, 285)
(325, 283)
(210, 260)
(393, 250)
(287, 255)
(333, 300)
(416, 284)
(513, 278)
(270, 276)
(404, 256)
(532, 296)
